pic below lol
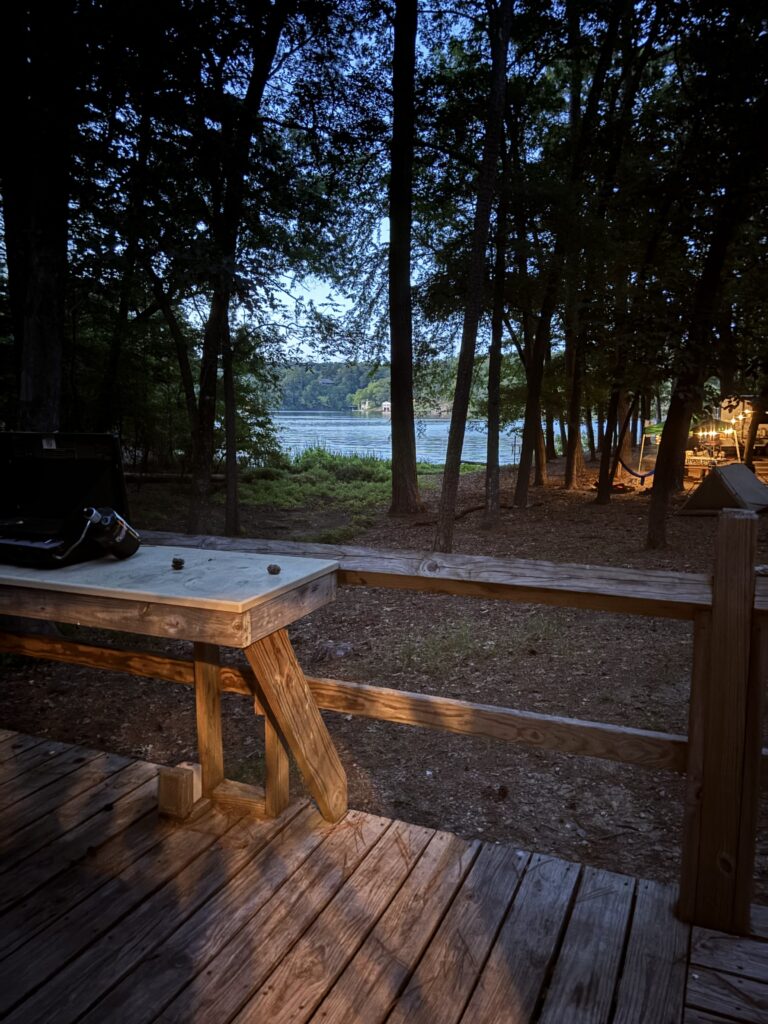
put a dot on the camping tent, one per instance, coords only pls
(732, 486)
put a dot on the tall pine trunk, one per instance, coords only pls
(499, 28)
(405, 487)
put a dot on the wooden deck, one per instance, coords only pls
(108, 913)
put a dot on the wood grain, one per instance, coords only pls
(369, 986)
(240, 798)
(220, 898)
(330, 942)
(285, 691)
(731, 953)
(513, 977)
(71, 993)
(689, 868)
(91, 791)
(60, 894)
(175, 791)
(741, 999)
(593, 739)
(587, 970)
(70, 847)
(602, 588)
(44, 774)
(567, 735)
(40, 958)
(444, 979)
(727, 794)
(243, 961)
(653, 980)
(208, 716)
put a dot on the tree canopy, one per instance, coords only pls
(573, 188)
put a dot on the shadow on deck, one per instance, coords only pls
(109, 913)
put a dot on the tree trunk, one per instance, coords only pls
(492, 484)
(550, 447)
(216, 328)
(673, 440)
(232, 506)
(501, 20)
(42, 57)
(758, 412)
(405, 487)
(590, 434)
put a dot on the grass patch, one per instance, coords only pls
(318, 479)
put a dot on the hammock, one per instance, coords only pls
(632, 472)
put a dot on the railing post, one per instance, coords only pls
(724, 738)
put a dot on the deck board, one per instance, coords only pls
(587, 970)
(50, 771)
(117, 916)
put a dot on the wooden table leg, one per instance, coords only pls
(208, 709)
(289, 699)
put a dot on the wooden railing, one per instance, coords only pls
(721, 755)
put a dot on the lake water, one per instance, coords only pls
(371, 434)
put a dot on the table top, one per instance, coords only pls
(210, 580)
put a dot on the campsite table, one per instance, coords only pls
(218, 598)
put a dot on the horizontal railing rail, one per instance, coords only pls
(653, 592)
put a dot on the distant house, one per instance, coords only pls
(386, 407)
(365, 405)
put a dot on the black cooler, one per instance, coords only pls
(62, 499)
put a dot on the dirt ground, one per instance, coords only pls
(628, 670)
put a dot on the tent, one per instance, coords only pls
(732, 486)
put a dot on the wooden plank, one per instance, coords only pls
(441, 985)
(191, 618)
(652, 985)
(141, 617)
(587, 969)
(72, 846)
(208, 716)
(15, 744)
(689, 869)
(175, 791)
(743, 999)
(322, 953)
(514, 975)
(181, 946)
(276, 770)
(550, 732)
(226, 581)
(26, 753)
(241, 798)
(291, 703)
(727, 793)
(245, 960)
(67, 803)
(73, 990)
(40, 958)
(135, 663)
(92, 789)
(76, 883)
(71, 759)
(370, 984)
(7, 734)
(751, 780)
(602, 588)
(731, 953)
(759, 921)
(693, 1016)
(593, 739)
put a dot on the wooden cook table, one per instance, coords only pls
(218, 598)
